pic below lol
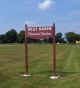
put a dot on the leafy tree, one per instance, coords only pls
(2, 38)
(78, 37)
(11, 36)
(21, 36)
(59, 37)
(71, 37)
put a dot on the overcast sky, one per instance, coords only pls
(15, 13)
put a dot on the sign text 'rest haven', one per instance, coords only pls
(39, 28)
(40, 32)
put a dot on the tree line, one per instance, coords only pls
(13, 36)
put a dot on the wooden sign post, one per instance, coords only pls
(26, 50)
(54, 51)
(40, 33)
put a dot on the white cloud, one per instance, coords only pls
(45, 4)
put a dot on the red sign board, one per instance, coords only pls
(40, 32)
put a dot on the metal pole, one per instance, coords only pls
(26, 50)
(54, 51)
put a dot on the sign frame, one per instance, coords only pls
(54, 51)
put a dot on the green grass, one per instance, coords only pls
(40, 66)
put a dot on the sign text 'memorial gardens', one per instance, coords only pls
(40, 32)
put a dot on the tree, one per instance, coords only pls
(71, 37)
(21, 36)
(11, 36)
(2, 38)
(78, 37)
(59, 37)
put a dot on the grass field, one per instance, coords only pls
(40, 66)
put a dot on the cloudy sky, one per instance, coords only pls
(15, 13)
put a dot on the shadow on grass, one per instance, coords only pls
(49, 73)
(39, 73)
(66, 73)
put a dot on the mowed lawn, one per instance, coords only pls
(40, 66)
